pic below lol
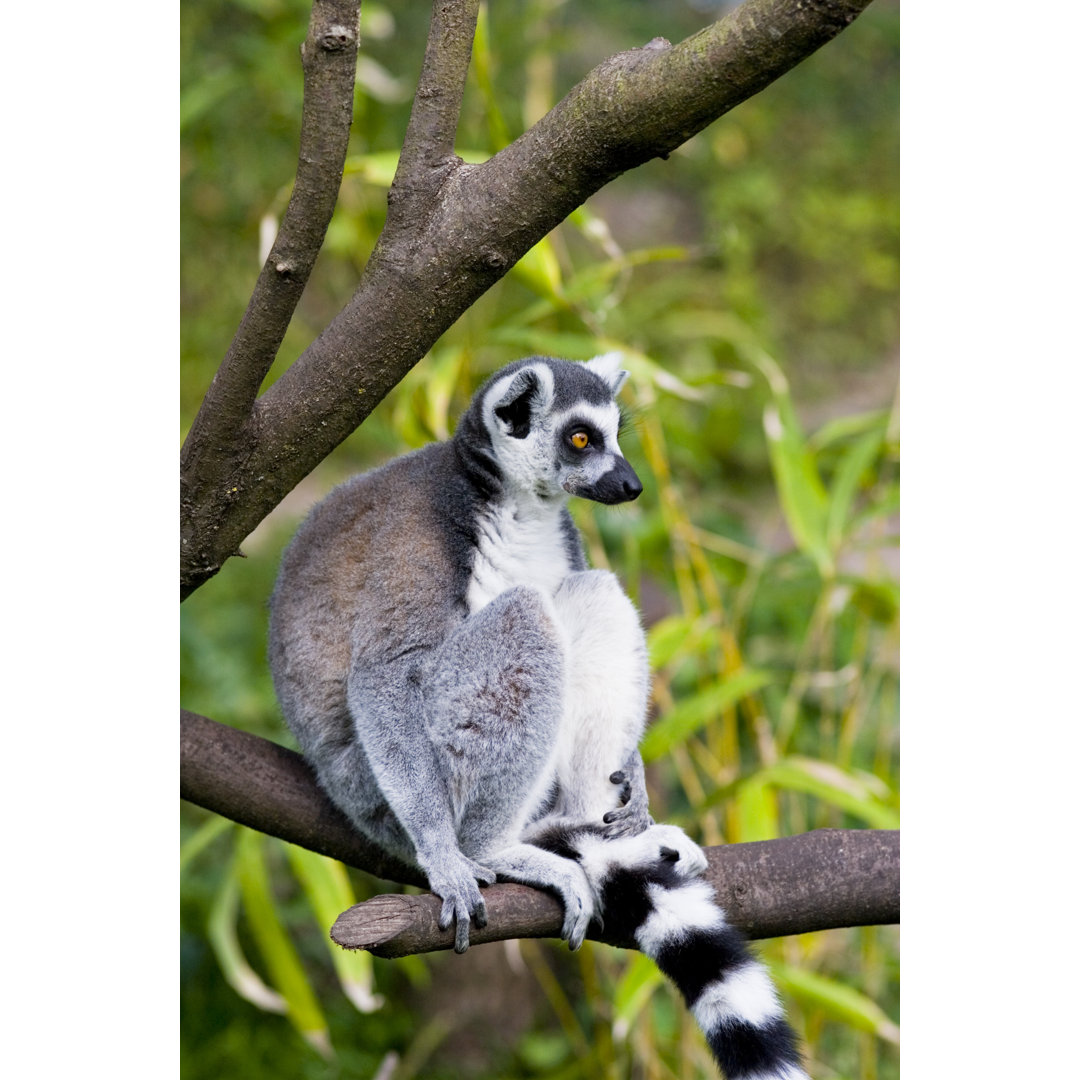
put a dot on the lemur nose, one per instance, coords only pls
(632, 487)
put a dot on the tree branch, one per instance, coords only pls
(479, 220)
(270, 788)
(816, 881)
(433, 122)
(221, 434)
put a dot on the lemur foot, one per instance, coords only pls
(644, 852)
(676, 847)
(454, 880)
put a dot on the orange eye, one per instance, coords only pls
(579, 440)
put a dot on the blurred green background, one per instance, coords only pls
(751, 281)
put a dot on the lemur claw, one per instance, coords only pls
(625, 788)
(458, 887)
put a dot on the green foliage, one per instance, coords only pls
(750, 283)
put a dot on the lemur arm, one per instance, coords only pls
(633, 816)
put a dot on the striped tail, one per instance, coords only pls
(649, 892)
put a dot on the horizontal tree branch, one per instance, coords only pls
(817, 881)
(820, 880)
(273, 789)
(478, 221)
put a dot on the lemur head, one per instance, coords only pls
(554, 429)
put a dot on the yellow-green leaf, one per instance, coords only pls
(202, 838)
(286, 971)
(380, 168)
(856, 460)
(861, 795)
(691, 714)
(539, 269)
(755, 814)
(481, 69)
(326, 885)
(837, 1000)
(672, 635)
(221, 931)
(802, 494)
(633, 990)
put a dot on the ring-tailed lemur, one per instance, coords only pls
(472, 697)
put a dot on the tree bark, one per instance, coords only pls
(453, 230)
(817, 881)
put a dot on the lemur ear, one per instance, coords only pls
(607, 367)
(521, 396)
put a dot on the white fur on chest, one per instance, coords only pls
(517, 546)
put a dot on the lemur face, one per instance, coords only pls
(554, 428)
(590, 463)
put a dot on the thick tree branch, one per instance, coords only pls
(273, 789)
(480, 220)
(816, 881)
(221, 435)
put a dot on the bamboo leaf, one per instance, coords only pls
(202, 838)
(888, 502)
(671, 636)
(221, 931)
(437, 390)
(802, 494)
(859, 794)
(548, 343)
(855, 461)
(594, 280)
(837, 1000)
(691, 714)
(847, 427)
(637, 985)
(379, 83)
(723, 325)
(755, 814)
(481, 68)
(641, 366)
(327, 888)
(539, 269)
(277, 950)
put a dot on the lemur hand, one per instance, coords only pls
(454, 879)
(632, 816)
(579, 904)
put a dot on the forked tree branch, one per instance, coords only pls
(460, 228)
(817, 881)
